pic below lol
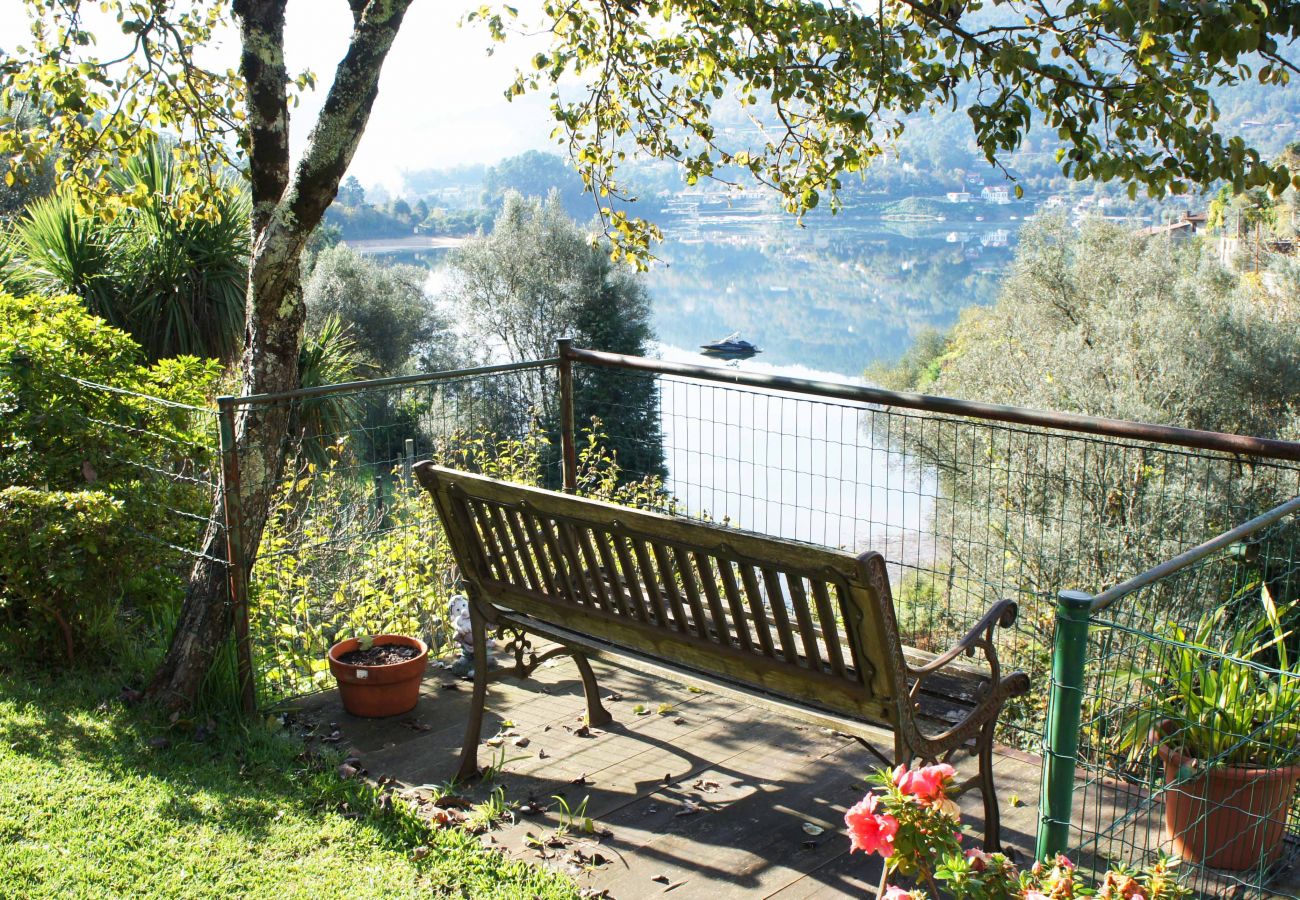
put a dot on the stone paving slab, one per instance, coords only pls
(697, 796)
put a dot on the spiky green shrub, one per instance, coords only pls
(174, 281)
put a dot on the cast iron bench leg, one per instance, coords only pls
(597, 715)
(474, 725)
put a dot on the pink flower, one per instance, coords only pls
(870, 831)
(926, 784)
(893, 892)
(979, 860)
(1064, 862)
(1036, 895)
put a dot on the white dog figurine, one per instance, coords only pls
(458, 613)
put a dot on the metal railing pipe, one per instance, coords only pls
(1195, 555)
(1115, 428)
(396, 381)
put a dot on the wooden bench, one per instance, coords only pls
(807, 630)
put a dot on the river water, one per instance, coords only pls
(823, 301)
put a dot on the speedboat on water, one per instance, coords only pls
(731, 345)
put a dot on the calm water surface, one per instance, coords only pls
(824, 302)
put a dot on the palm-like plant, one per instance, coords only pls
(175, 282)
(183, 277)
(56, 248)
(329, 356)
(1228, 690)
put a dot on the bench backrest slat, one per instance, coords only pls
(806, 622)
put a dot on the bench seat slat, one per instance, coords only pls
(721, 627)
(755, 598)
(668, 578)
(807, 633)
(776, 603)
(522, 560)
(609, 569)
(493, 553)
(830, 628)
(739, 620)
(699, 622)
(552, 569)
(631, 578)
(649, 581)
(593, 567)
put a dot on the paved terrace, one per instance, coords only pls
(700, 795)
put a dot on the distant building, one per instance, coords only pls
(959, 196)
(999, 195)
(1188, 225)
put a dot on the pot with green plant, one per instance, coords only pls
(380, 675)
(1224, 717)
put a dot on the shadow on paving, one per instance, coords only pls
(690, 793)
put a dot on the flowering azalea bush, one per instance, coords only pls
(912, 821)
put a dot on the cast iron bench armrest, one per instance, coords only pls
(1002, 613)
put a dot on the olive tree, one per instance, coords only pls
(393, 320)
(538, 277)
(1107, 323)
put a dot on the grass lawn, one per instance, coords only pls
(94, 807)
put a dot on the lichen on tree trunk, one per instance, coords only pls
(287, 207)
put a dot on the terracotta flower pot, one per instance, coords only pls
(1225, 817)
(377, 691)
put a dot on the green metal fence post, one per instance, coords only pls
(237, 571)
(1061, 737)
(569, 447)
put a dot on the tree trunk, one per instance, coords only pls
(286, 209)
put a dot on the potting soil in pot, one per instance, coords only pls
(380, 655)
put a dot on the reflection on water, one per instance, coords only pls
(823, 302)
(786, 464)
(839, 295)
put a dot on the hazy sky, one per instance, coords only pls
(441, 97)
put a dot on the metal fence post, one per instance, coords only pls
(1061, 733)
(570, 450)
(408, 462)
(236, 570)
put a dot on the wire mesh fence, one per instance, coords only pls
(351, 546)
(158, 460)
(966, 511)
(1190, 734)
